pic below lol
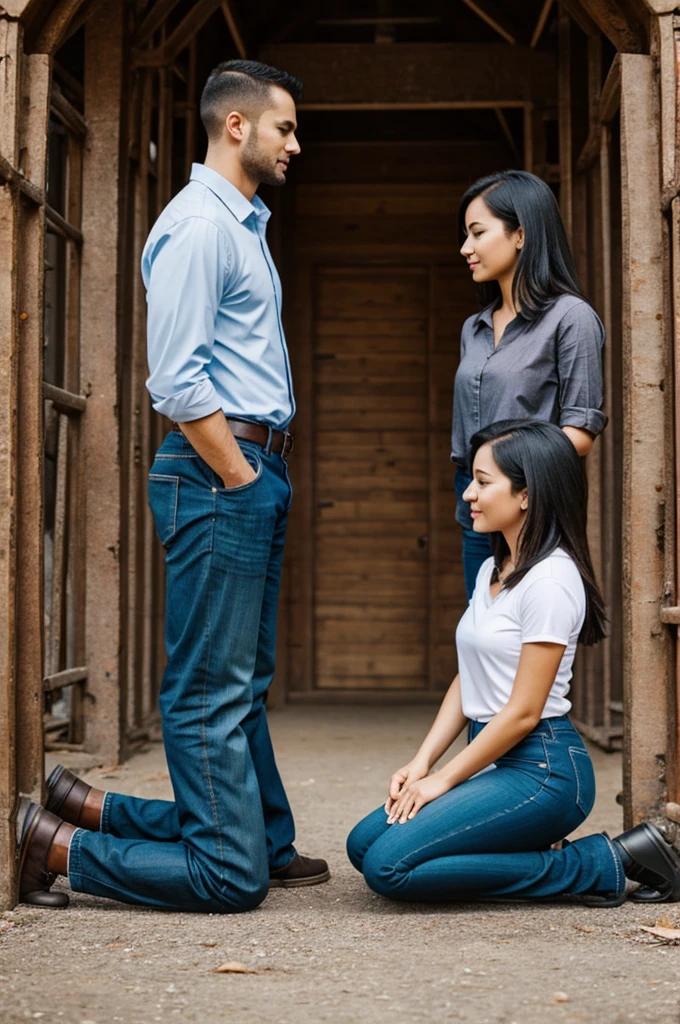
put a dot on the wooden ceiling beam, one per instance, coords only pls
(540, 24)
(161, 10)
(166, 54)
(487, 11)
(623, 22)
(577, 14)
(231, 16)
(358, 75)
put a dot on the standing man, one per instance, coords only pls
(220, 494)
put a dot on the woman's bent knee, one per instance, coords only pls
(381, 876)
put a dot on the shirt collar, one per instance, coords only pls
(234, 200)
(485, 317)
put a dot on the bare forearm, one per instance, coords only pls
(447, 726)
(506, 729)
(215, 443)
(581, 439)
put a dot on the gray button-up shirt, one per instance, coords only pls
(547, 370)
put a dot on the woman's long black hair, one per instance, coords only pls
(540, 457)
(545, 268)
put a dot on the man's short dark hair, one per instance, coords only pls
(243, 85)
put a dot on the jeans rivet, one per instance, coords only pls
(214, 490)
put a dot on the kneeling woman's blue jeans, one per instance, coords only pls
(491, 836)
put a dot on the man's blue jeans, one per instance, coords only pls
(476, 546)
(230, 824)
(490, 837)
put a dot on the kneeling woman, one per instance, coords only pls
(482, 826)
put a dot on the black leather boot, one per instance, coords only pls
(649, 859)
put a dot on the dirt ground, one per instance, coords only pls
(337, 952)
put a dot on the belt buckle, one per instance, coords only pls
(288, 444)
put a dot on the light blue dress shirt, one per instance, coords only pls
(214, 331)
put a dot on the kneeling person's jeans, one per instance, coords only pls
(492, 835)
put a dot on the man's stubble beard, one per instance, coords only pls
(254, 164)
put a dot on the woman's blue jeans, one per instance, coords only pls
(476, 546)
(212, 848)
(491, 836)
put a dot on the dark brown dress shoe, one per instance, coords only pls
(66, 794)
(299, 871)
(37, 829)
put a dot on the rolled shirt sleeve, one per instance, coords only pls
(185, 276)
(580, 338)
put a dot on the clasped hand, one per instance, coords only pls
(410, 789)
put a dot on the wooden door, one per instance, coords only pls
(387, 580)
(371, 459)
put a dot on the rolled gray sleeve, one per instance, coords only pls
(580, 337)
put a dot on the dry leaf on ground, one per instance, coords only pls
(235, 967)
(158, 777)
(583, 928)
(669, 934)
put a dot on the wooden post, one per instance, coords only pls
(24, 90)
(99, 377)
(564, 114)
(645, 648)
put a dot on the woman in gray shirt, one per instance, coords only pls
(535, 350)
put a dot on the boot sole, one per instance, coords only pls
(664, 861)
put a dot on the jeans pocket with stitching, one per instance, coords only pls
(163, 499)
(255, 462)
(585, 779)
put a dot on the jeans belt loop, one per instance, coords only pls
(268, 447)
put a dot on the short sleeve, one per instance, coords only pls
(549, 612)
(580, 337)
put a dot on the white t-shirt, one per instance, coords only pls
(548, 605)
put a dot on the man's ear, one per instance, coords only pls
(235, 124)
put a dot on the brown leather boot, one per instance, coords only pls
(66, 795)
(37, 829)
(299, 871)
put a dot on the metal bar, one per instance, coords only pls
(62, 226)
(64, 401)
(68, 677)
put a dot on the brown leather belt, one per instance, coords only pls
(282, 442)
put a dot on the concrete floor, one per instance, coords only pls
(337, 952)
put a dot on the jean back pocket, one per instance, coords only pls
(163, 499)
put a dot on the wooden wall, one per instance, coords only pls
(375, 583)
